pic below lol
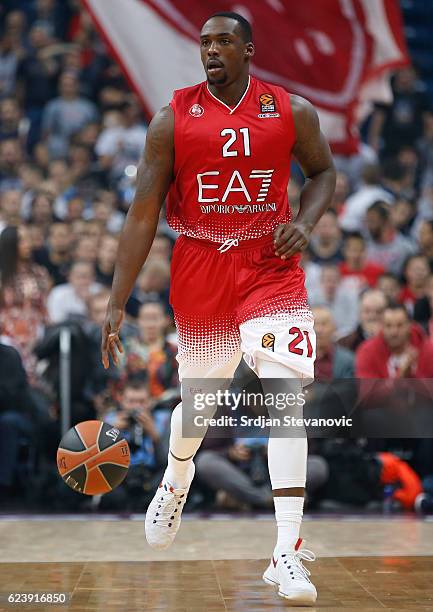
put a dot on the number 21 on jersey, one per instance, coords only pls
(232, 137)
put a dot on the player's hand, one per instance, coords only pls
(110, 342)
(290, 238)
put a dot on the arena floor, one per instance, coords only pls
(104, 563)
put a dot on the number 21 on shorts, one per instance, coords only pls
(301, 343)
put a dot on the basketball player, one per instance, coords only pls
(221, 153)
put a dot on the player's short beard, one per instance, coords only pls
(220, 81)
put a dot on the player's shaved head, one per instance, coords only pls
(244, 25)
(226, 49)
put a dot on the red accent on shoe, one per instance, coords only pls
(171, 489)
(160, 486)
(298, 544)
(274, 562)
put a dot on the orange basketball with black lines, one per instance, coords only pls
(93, 458)
(266, 99)
(268, 340)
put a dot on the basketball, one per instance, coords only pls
(93, 458)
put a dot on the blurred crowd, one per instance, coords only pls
(71, 134)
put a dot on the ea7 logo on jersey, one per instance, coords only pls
(196, 110)
(236, 184)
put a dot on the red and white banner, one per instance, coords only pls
(336, 53)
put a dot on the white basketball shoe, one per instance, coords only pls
(164, 514)
(287, 572)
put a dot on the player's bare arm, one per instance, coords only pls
(313, 154)
(153, 181)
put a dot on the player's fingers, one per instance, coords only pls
(277, 233)
(114, 342)
(284, 235)
(118, 344)
(288, 244)
(104, 348)
(284, 241)
(298, 246)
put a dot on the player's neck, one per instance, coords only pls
(232, 93)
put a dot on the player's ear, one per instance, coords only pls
(249, 50)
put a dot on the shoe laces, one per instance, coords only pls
(170, 504)
(296, 567)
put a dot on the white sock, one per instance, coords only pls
(288, 514)
(178, 473)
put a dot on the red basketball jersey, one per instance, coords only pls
(232, 165)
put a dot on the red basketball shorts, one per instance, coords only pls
(245, 300)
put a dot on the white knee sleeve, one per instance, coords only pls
(287, 456)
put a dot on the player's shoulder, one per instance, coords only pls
(188, 92)
(263, 88)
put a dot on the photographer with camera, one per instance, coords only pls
(145, 427)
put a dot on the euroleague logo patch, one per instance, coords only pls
(196, 110)
(268, 341)
(267, 106)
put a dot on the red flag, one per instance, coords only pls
(335, 53)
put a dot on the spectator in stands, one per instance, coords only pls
(74, 211)
(425, 150)
(121, 144)
(355, 264)
(8, 66)
(103, 211)
(224, 465)
(107, 253)
(403, 215)
(56, 256)
(400, 122)
(41, 211)
(326, 242)
(423, 309)
(161, 247)
(425, 241)
(342, 190)
(71, 298)
(31, 177)
(10, 161)
(147, 434)
(332, 360)
(400, 350)
(86, 249)
(66, 115)
(352, 218)
(150, 351)
(390, 285)
(154, 281)
(23, 292)
(12, 126)
(371, 308)
(386, 246)
(59, 175)
(37, 79)
(10, 208)
(397, 180)
(340, 297)
(16, 414)
(417, 274)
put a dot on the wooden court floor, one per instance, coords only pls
(216, 565)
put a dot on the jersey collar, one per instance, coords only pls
(231, 110)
